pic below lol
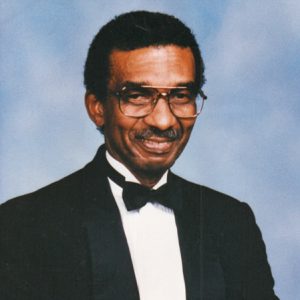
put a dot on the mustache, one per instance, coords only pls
(171, 134)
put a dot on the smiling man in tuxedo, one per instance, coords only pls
(124, 226)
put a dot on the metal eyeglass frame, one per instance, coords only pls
(160, 95)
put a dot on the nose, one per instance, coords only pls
(161, 117)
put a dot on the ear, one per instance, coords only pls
(95, 109)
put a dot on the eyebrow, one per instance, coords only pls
(138, 84)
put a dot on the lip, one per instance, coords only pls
(156, 146)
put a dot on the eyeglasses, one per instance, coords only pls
(140, 101)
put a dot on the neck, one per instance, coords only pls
(149, 180)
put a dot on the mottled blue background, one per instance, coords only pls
(245, 143)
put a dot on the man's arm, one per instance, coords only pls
(20, 276)
(244, 257)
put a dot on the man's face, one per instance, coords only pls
(145, 144)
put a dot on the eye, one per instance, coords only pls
(137, 97)
(133, 94)
(182, 96)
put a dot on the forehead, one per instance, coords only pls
(162, 65)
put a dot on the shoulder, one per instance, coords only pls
(227, 222)
(215, 205)
(62, 193)
(50, 199)
(212, 197)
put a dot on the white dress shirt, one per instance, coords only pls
(152, 239)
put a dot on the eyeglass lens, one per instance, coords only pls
(139, 102)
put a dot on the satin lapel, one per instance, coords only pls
(189, 240)
(111, 267)
(201, 267)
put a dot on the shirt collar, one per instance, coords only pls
(119, 167)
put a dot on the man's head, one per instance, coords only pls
(134, 30)
(149, 54)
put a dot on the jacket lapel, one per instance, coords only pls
(189, 240)
(199, 251)
(112, 274)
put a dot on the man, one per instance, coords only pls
(124, 226)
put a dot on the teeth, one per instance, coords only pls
(156, 145)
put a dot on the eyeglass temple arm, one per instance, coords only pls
(201, 93)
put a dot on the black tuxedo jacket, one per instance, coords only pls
(66, 241)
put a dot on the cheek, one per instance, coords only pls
(122, 128)
(187, 127)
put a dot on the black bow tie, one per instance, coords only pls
(136, 196)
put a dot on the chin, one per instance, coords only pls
(153, 167)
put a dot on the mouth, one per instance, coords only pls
(156, 142)
(156, 146)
